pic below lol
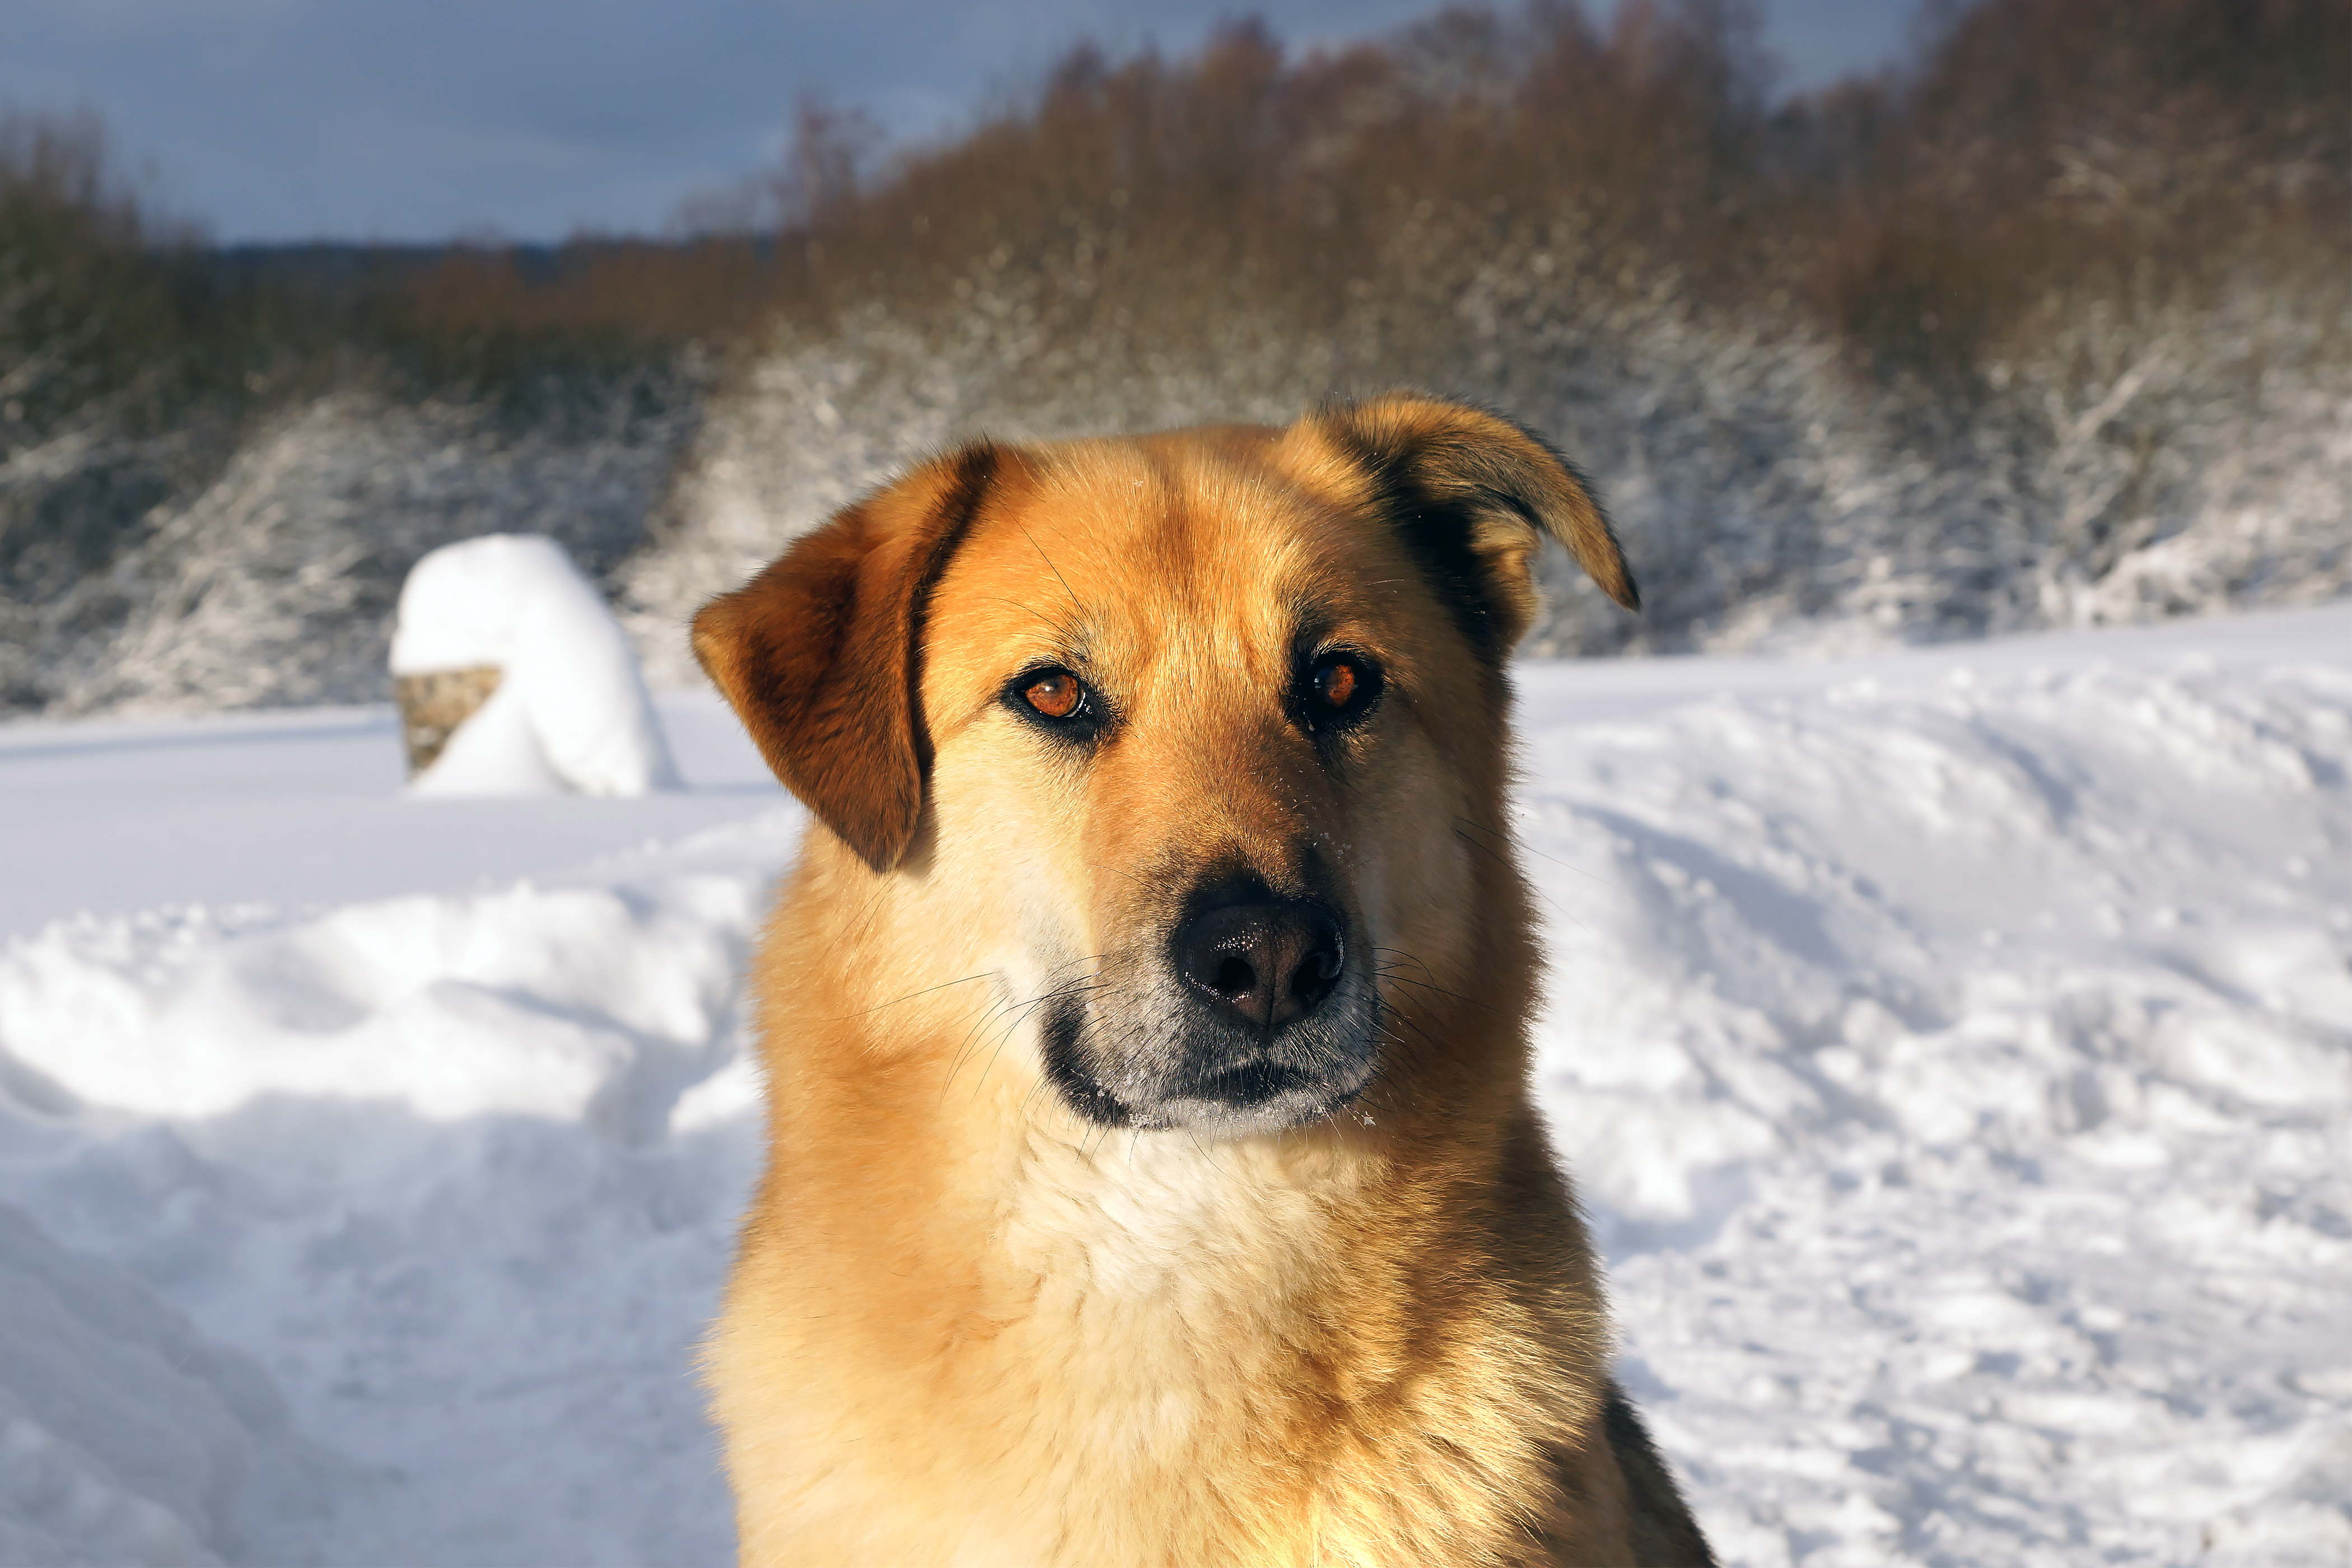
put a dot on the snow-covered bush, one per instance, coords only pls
(276, 582)
(2128, 466)
(815, 422)
(2053, 331)
(215, 467)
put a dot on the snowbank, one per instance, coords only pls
(1954, 1048)
(597, 1005)
(125, 1438)
(460, 1170)
(570, 709)
(1961, 1073)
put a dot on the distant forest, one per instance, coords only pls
(1490, 203)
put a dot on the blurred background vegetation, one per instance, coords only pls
(2052, 327)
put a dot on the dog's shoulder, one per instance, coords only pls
(1658, 1521)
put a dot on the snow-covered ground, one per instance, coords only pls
(1953, 1046)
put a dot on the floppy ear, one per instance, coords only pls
(821, 653)
(1472, 494)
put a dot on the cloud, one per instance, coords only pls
(295, 118)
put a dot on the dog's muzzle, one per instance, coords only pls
(1260, 1017)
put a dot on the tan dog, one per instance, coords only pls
(1152, 1173)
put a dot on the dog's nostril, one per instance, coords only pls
(1262, 964)
(1312, 980)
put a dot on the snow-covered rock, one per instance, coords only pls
(569, 712)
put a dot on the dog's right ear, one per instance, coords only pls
(821, 653)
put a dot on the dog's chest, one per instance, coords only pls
(1174, 1360)
(1161, 1223)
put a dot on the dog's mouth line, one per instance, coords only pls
(1249, 1084)
(1262, 1094)
(1185, 1113)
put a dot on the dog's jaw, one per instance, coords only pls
(1060, 1040)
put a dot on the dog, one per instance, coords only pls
(1153, 1176)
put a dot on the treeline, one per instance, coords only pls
(216, 463)
(1920, 215)
(1773, 323)
(2045, 328)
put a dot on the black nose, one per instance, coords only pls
(1262, 964)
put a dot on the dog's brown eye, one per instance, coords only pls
(1335, 682)
(1337, 691)
(1056, 695)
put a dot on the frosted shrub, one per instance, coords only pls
(275, 583)
(2120, 466)
(815, 422)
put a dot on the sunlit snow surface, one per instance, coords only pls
(1954, 1048)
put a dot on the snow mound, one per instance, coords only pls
(460, 1171)
(124, 1436)
(1960, 1078)
(571, 711)
(590, 1004)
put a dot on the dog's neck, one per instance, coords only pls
(1146, 1221)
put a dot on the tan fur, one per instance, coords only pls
(967, 1325)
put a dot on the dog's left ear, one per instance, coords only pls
(1473, 494)
(821, 653)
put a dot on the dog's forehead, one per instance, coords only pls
(1143, 545)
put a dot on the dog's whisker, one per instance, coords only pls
(1016, 1014)
(925, 991)
(1077, 985)
(1516, 845)
(1056, 571)
(1063, 627)
(1502, 859)
(1519, 845)
(1442, 991)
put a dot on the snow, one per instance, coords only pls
(570, 709)
(92, 1364)
(109, 817)
(1954, 1047)
(1959, 1055)
(385, 1096)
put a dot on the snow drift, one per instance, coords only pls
(1953, 1069)
(125, 1438)
(1954, 1048)
(444, 1004)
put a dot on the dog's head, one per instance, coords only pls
(1199, 735)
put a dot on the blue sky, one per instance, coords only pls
(275, 119)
